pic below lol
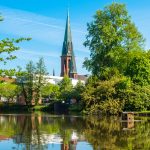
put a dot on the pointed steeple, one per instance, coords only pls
(67, 45)
(68, 64)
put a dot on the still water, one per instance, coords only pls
(51, 132)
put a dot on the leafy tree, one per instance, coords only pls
(51, 91)
(111, 37)
(40, 81)
(66, 87)
(27, 83)
(115, 95)
(139, 69)
(88, 94)
(7, 47)
(32, 81)
(105, 96)
(78, 90)
(9, 90)
(137, 98)
(119, 62)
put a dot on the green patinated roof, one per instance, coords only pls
(67, 44)
(67, 49)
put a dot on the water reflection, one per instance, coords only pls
(45, 132)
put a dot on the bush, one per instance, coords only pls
(115, 95)
(138, 98)
(103, 97)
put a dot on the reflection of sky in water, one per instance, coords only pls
(84, 146)
(10, 145)
(54, 146)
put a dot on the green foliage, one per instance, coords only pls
(27, 82)
(40, 81)
(32, 81)
(51, 91)
(118, 60)
(111, 37)
(115, 95)
(78, 90)
(66, 87)
(7, 47)
(137, 98)
(102, 97)
(108, 73)
(9, 90)
(139, 69)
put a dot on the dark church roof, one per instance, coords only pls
(67, 49)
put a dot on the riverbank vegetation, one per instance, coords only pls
(118, 62)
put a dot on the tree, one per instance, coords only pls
(7, 47)
(27, 83)
(139, 69)
(32, 81)
(112, 36)
(107, 96)
(137, 98)
(40, 80)
(9, 90)
(66, 87)
(78, 90)
(51, 91)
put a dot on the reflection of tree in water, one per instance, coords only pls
(107, 133)
(28, 132)
(101, 132)
(64, 126)
(36, 132)
(7, 125)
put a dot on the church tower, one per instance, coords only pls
(68, 64)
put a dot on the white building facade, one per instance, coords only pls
(56, 79)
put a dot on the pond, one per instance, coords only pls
(54, 132)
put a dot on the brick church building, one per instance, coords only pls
(68, 63)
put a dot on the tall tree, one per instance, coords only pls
(112, 36)
(66, 87)
(27, 82)
(40, 80)
(78, 90)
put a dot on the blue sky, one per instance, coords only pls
(44, 21)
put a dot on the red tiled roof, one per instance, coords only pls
(7, 79)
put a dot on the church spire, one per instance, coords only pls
(67, 45)
(68, 58)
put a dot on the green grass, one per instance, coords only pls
(39, 107)
(143, 112)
